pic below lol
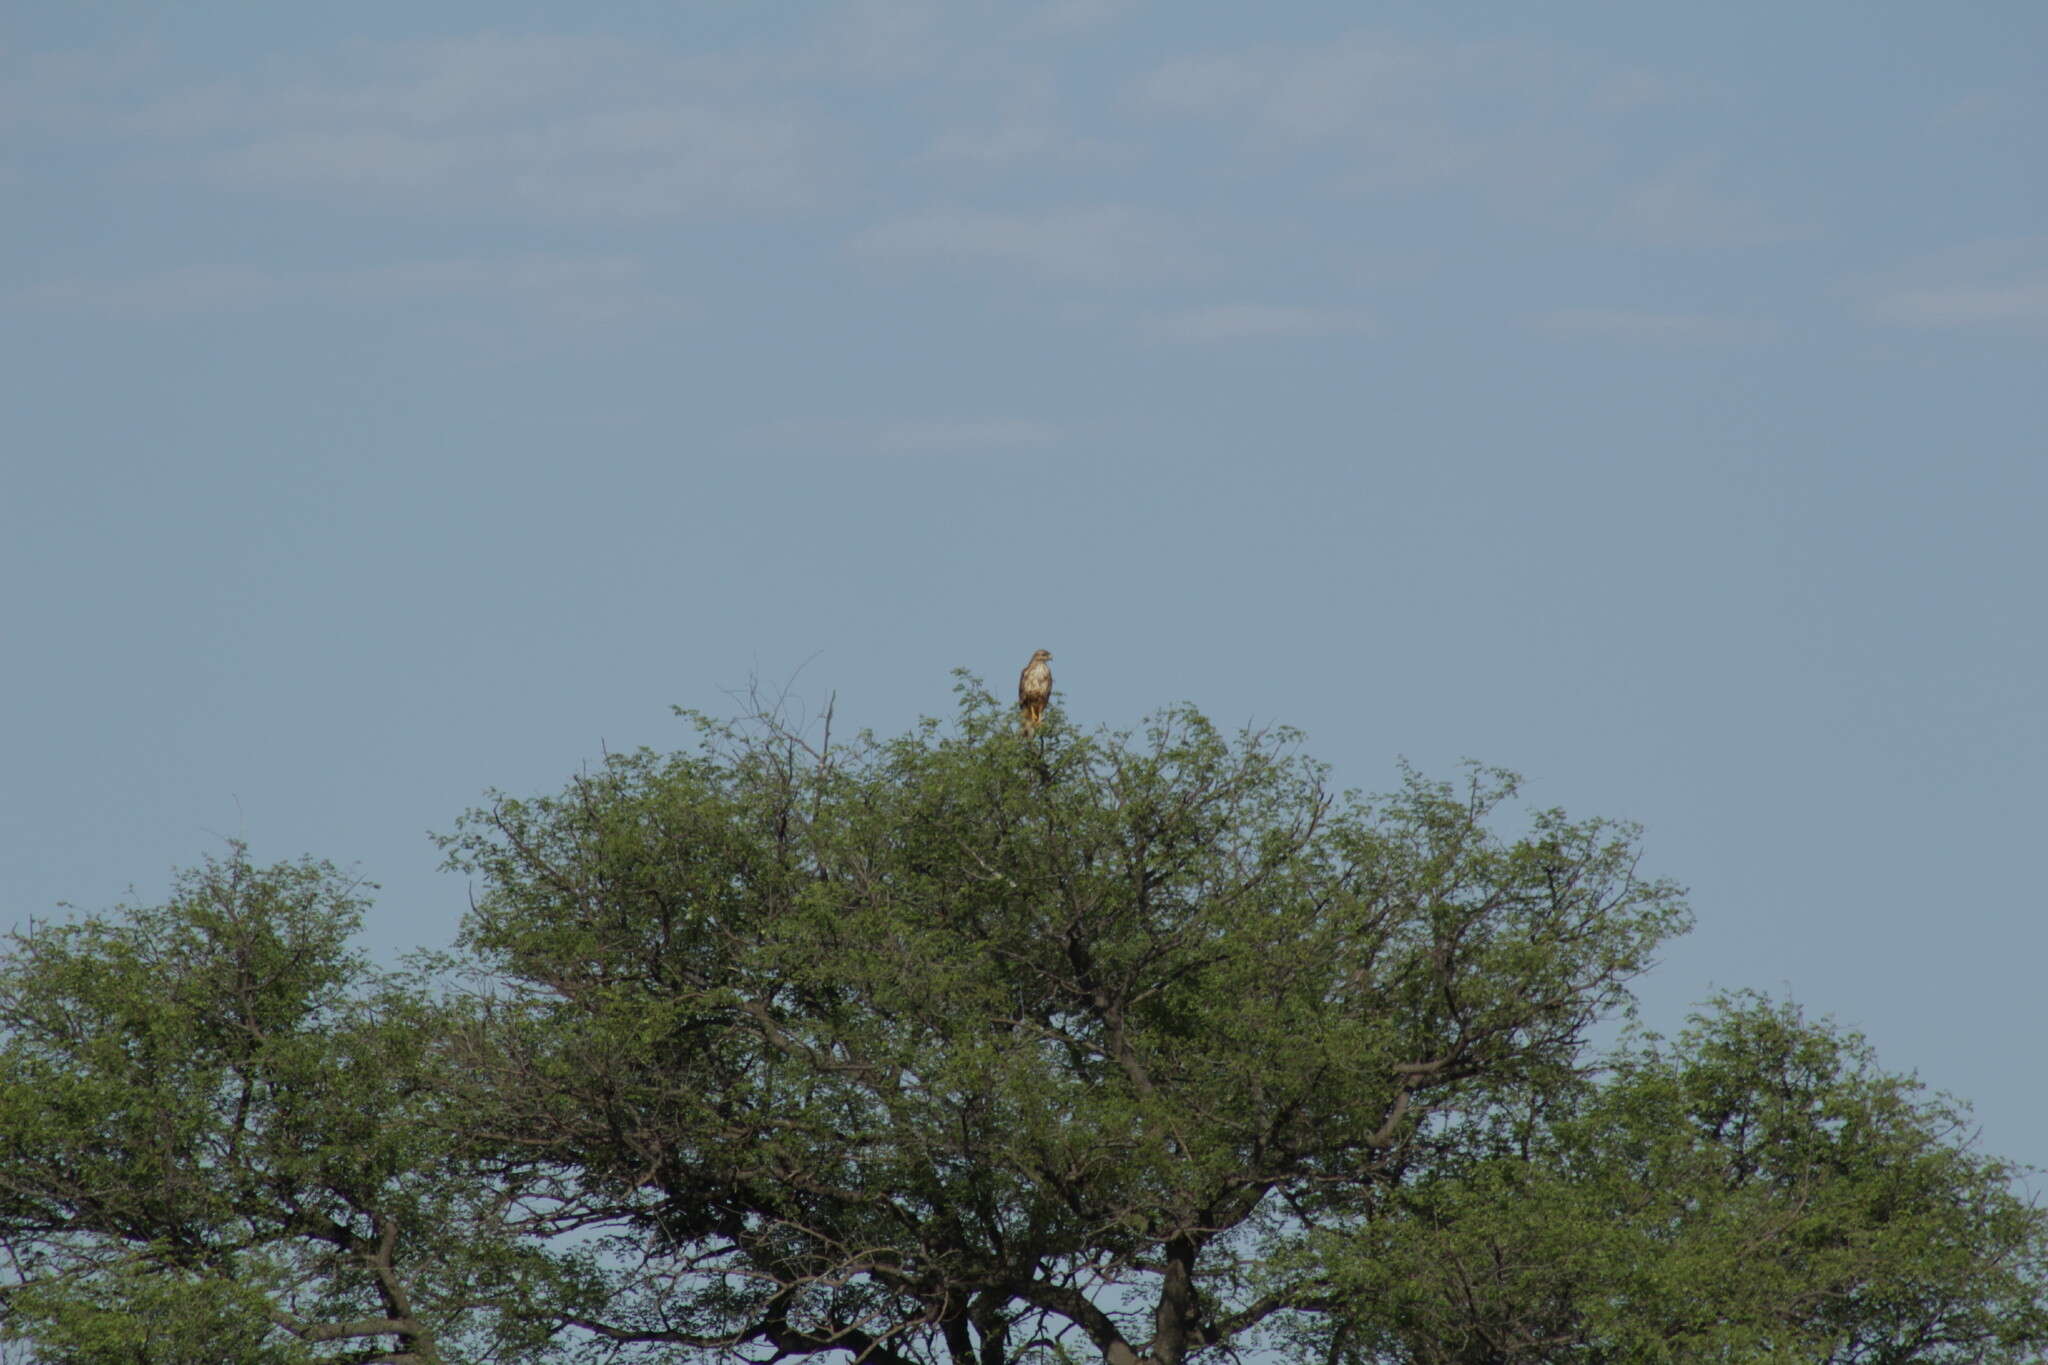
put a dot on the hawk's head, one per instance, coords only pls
(1040, 655)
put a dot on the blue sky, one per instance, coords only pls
(401, 401)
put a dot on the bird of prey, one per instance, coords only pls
(1034, 690)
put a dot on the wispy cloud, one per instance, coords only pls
(2020, 301)
(1689, 204)
(1255, 322)
(70, 92)
(592, 288)
(1343, 86)
(1108, 245)
(553, 126)
(1396, 113)
(907, 436)
(1535, 126)
(1978, 111)
(1030, 126)
(1990, 286)
(881, 39)
(1385, 109)
(1617, 324)
(1326, 90)
(667, 162)
(1025, 138)
(938, 436)
(185, 289)
(1061, 18)
(1631, 88)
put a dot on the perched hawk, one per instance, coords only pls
(1034, 690)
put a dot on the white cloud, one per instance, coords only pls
(1058, 18)
(1395, 114)
(1003, 145)
(1016, 141)
(68, 92)
(2021, 301)
(1354, 84)
(1106, 245)
(1030, 126)
(1618, 324)
(674, 161)
(1990, 286)
(1688, 205)
(1997, 285)
(1532, 125)
(1977, 111)
(882, 39)
(907, 436)
(938, 436)
(1206, 86)
(186, 289)
(1628, 90)
(1252, 321)
(562, 127)
(590, 288)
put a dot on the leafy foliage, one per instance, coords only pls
(962, 1041)
(976, 1047)
(1758, 1192)
(224, 1135)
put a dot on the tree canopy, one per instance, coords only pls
(974, 1047)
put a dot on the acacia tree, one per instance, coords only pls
(1758, 1191)
(968, 1047)
(971, 1047)
(224, 1139)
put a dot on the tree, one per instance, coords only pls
(974, 1047)
(1761, 1191)
(222, 1138)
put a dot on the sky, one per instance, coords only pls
(401, 402)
